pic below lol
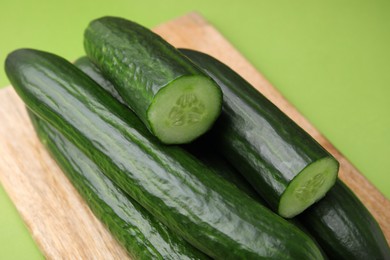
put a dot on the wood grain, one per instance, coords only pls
(61, 223)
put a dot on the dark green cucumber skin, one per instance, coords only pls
(344, 227)
(136, 60)
(339, 221)
(206, 210)
(89, 68)
(266, 146)
(212, 158)
(141, 234)
(201, 150)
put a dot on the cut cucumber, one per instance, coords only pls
(183, 109)
(173, 97)
(310, 185)
(286, 166)
(199, 148)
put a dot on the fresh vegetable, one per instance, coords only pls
(89, 68)
(199, 148)
(141, 234)
(212, 158)
(340, 222)
(206, 210)
(286, 166)
(174, 99)
(344, 228)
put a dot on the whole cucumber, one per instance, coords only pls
(205, 209)
(140, 233)
(286, 166)
(174, 99)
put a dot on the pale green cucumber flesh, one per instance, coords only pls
(184, 109)
(309, 186)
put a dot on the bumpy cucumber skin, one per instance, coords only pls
(339, 221)
(89, 68)
(344, 228)
(266, 146)
(200, 148)
(206, 210)
(141, 234)
(139, 62)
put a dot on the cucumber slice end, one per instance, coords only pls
(309, 186)
(184, 109)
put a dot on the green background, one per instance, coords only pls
(331, 59)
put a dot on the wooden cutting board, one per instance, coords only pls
(59, 220)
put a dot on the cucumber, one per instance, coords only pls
(199, 148)
(174, 99)
(206, 210)
(344, 228)
(89, 68)
(286, 166)
(140, 234)
(339, 222)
